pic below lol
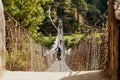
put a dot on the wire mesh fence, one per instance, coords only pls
(22, 52)
(25, 54)
(91, 53)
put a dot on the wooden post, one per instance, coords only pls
(2, 37)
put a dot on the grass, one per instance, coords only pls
(79, 36)
(70, 40)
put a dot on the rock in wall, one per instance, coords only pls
(2, 37)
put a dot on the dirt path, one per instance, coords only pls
(83, 75)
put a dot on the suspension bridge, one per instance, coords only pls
(59, 67)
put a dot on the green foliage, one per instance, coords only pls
(17, 61)
(102, 5)
(96, 9)
(29, 13)
(77, 26)
(81, 6)
(92, 14)
(33, 15)
(91, 10)
(72, 40)
(47, 41)
(68, 18)
(43, 2)
(94, 2)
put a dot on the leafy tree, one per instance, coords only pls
(98, 8)
(29, 13)
(33, 14)
(93, 2)
(102, 5)
(92, 14)
(68, 19)
(81, 7)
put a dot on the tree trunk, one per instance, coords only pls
(113, 41)
(2, 37)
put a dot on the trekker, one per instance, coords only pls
(60, 26)
(60, 41)
(58, 53)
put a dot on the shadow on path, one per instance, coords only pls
(88, 76)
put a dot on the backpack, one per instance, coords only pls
(59, 49)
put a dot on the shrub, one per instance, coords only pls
(18, 61)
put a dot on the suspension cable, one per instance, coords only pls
(101, 17)
(51, 18)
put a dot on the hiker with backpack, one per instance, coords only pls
(59, 50)
(60, 26)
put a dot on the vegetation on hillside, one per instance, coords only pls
(27, 13)
(70, 40)
(90, 10)
(33, 15)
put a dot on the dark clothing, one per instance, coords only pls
(59, 50)
(59, 53)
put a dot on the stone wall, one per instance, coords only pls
(2, 37)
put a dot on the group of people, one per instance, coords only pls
(58, 49)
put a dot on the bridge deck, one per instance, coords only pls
(83, 75)
(59, 66)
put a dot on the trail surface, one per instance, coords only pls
(83, 75)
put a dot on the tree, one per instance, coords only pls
(102, 5)
(94, 2)
(68, 18)
(81, 7)
(29, 13)
(96, 9)
(93, 14)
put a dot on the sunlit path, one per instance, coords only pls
(82, 75)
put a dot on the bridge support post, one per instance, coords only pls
(113, 33)
(2, 37)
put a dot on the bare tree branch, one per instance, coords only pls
(51, 18)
